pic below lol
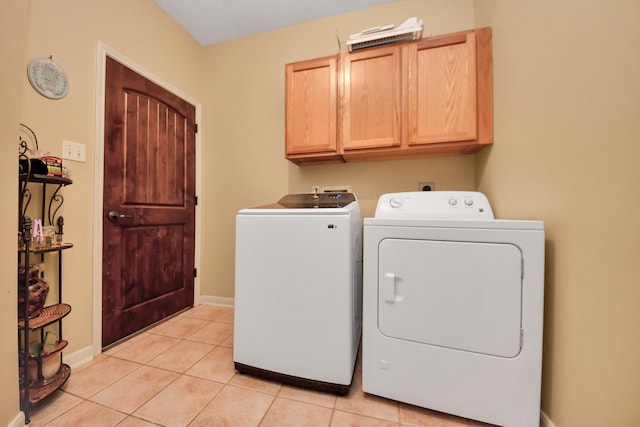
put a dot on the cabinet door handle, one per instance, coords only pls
(115, 216)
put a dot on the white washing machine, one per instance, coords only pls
(453, 307)
(298, 290)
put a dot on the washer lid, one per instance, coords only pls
(316, 201)
(434, 204)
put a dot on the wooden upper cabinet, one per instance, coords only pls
(311, 102)
(442, 90)
(449, 89)
(371, 95)
(429, 97)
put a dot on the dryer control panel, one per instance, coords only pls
(434, 204)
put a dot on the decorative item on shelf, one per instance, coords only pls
(49, 343)
(60, 229)
(29, 153)
(23, 143)
(54, 165)
(34, 161)
(37, 235)
(24, 229)
(38, 291)
(43, 236)
(32, 166)
(45, 360)
(49, 238)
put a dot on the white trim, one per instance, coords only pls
(545, 421)
(79, 357)
(98, 180)
(211, 300)
(17, 421)
(102, 52)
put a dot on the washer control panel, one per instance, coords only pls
(434, 204)
(316, 200)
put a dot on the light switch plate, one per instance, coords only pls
(73, 151)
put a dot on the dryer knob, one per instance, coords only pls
(394, 202)
(468, 202)
(453, 201)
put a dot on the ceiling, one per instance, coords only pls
(216, 21)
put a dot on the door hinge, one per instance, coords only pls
(195, 128)
(195, 272)
(195, 199)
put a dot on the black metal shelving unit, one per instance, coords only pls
(33, 390)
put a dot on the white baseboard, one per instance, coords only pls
(79, 357)
(18, 421)
(211, 300)
(545, 421)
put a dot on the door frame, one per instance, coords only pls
(98, 179)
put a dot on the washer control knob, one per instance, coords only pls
(468, 202)
(453, 201)
(395, 202)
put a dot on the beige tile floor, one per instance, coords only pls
(180, 373)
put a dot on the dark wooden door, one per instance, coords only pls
(149, 203)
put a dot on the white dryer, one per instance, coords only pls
(298, 290)
(453, 307)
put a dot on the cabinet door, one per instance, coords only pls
(311, 102)
(442, 93)
(371, 98)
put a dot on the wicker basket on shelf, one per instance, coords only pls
(38, 291)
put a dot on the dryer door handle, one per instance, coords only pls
(388, 287)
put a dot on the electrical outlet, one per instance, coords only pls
(427, 186)
(73, 151)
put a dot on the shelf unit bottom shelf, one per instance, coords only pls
(38, 392)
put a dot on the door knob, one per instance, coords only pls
(114, 216)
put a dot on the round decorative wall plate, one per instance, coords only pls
(48, 78)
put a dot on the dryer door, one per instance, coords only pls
(460, 295)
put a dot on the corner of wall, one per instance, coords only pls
(18, 421)
(545, 421)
